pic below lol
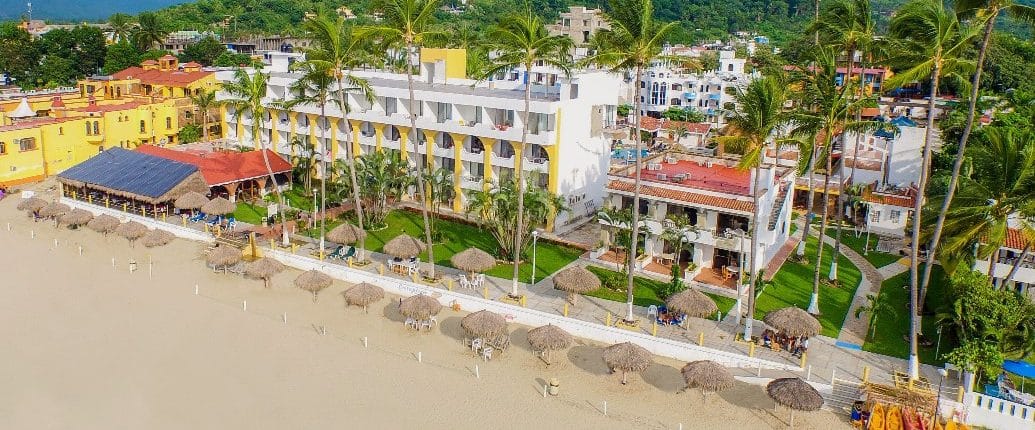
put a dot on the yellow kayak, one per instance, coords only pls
(893, 419)
(951, 425)
(877, 418)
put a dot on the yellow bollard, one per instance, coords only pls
(294, 248)
(206, 229)
(273, 243)
(565, 309)
(381, 269)
(959, 395)
(184, 220)
(866, 374)
(485, 293)
(143, 213)
(125, 206)
(751, 349)
(89, 198)
(321, 255)
(700, 339)
(449, 282)
(107, 203)
(608, 321)
(524, 301)
(910, 383)
(414, 276)
(350, 263)
(165, 217)
(654, 328)
(804, 359)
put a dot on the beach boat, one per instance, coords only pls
(962, 426)
(938, 424)
(877, 417)
(909, 420)
(951, 425)
(893, 420)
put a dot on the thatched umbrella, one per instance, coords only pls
(264, 268)
(795, 394)
(473, 260)
(191, 200)
(692, 303)
(313, 281)
(223, 256)
(484, 324)
(707, 375)
(627, 357)
(131, 230)
(793, 321)
(32, 204)
(576, 280)
(77, 217)
(218, 206)
(549, 338)
(404, 246)
(54, 209)
(157, 237)
(346, 234)
(420, 307)
(363, 295)
(103, 223)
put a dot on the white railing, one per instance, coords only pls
(997, 413)
(177, 230)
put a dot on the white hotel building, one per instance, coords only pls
(470, 124)
(710, 93)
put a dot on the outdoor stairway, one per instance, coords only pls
(774, 215)
(843, 395)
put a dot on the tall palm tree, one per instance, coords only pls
(245, 93)
(405, 25)
(335, 49)
(931, 43)
(520, 42)
(634, 40)
(759, 116)
(149, 32)
(986, 13)
(121, 26)
(204, 101)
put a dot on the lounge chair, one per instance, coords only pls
(351, 253)
(339, 253)
(231, 223)
(197, 217)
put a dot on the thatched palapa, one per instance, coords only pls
(32, 204)
(346, 234)
(218, 206)
(793, 321)
(131, 230)
(549, 338)
(54, 209)
(420, 307)
(157, 237)
(627, 357)
(576, 280)
(77, 217)
(223, 256)
(707, 375)
(794, 393)
(264, 268)
(404, 246)
(103, 223)
(363, 295)
(313, 281)
(692, 303)
(473, 260)
(191, 200)
(484, 324)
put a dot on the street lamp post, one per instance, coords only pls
(535, 239)
(936, 416)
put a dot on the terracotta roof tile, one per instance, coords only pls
(160, 77)
(654, 124)
(684, 196)
(223, 167)
(1015, 239)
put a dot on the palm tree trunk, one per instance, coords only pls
(809, 202)
(350, 159)
(204, 124)
(420, 177)
(276, 187)
(915, 304)
(957, 165)
(519, 230)
(323, 177)
(840, 174)
(753, 260)
(814, 301)
(1016, 265)
(635, 227)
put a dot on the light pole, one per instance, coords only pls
(535, 239)
(936, 416)
(938, 346)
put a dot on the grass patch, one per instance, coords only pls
(792, 286)
(876, 258)
(255, 213)
(646, 292)
(892, 326)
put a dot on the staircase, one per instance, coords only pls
(774, 215)
(843, 395)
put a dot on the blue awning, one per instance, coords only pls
(131, 172)
(1020, 368)
(903, 121)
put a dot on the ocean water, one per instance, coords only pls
(78, 10)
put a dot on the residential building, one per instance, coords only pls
(177, 41)
(717, 196)
(1008, 256)
(579, 24)
(471, 126)
(711, 93)
(888, 208)
(690, 136)
(45, 132)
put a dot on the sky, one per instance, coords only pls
(78, 10)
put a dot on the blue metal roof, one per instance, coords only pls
(131, 172)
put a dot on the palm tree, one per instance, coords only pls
(676, 229)
(336, 49)
(985, 12)
(204, 102)
(121, 26)
(245, 94)
(150, 31)
(749, 129)
(440, 191)
(521, 41)
(873, 308)
(617, 220)
(385, 177)
(405, 25)
(631, 44)
(304, 160)
(496, 210)
(931, 45)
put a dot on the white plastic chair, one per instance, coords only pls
(425, 324)
(476, 344)
(433, 321)
(479, 279)
(410, 322)
(464, 283)
(652, 311)
(487, 353)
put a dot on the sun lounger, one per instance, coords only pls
(339, 253)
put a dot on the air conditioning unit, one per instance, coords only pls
(653, 166)
(662, 177)
(671, 160)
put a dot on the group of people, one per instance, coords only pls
(797, 345)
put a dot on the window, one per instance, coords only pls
(96, 127)
(895, 216)
(143, 127)
(168, 122)
(3, 148)
(729, 68)
(654, 93)
(26, 144)
(567, 22)
(61, 131)
(89, 130)
(874, 216)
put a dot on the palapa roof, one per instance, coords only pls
(484, 324)
(77, 217)
(420, 307)
(795, 394)
(219, 206)
(692, 303)
(32, 204)
(363, 294)
(404, 245)
(707, 375)
(157, 237)
(627, 356)
(54, 209)
(313, 281)
(223, 255)
(473, 260)
(346, 234)
(549, 337)
(191, 200)
(135, 175)
(104, 223)
(576, 279)
(793, 321)
(263, 268)
(131, 230)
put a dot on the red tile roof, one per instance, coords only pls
(684, 196)
(23, 125)
(870, 112)
(57, 103)
(224, 167)
(654, 124)
(192, 64)
(161, 77)
(94, 108)
(716, 177)
(904, 198)
(1015, 239)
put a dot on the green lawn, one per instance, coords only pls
(458, 237)
(255, 213)
(646, 292)
(792, 286)
(892, 326)
(876, 258)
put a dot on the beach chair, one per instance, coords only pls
(487, 353)
(231, 223)
(410, 322)
(464, 283)
(339, 253)
(478, 280)
(652, 311)
(197, 217)
(476, 344)
(351, 253)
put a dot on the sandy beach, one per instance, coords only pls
(89, 346)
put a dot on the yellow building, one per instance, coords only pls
(45, 132)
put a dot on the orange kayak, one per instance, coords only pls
(877, 418)
(893, 420)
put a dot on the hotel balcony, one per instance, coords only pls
(470, 182)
